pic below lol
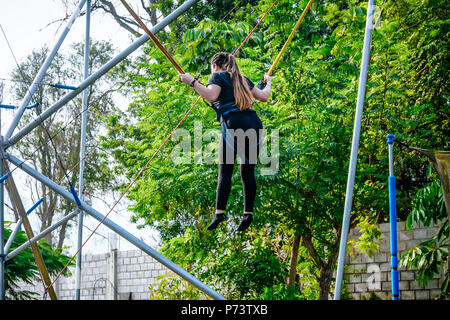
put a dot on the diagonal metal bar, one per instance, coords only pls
(95, 76)
(27, 226)
(40, 75)
(116, 228)
(16, 230)
(40, 235)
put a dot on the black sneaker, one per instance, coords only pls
(219, 217)
(245, 222)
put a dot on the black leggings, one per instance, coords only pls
(240, 135)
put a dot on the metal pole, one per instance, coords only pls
(14, 195)
(393, 221)
(12, 236)
(82, 152)
(289, 39)
(40, 235)
(153, 38)
(42, 71)
(354, 151)
(119, 230)
(17, 228)
(3, 252)
(93, 77)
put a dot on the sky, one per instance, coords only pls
(28, 25)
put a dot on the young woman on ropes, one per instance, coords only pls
(232, 95)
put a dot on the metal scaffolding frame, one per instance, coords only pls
(9, 140)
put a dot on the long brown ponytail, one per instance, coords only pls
(242, 94)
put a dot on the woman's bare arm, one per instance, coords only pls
(210, 93)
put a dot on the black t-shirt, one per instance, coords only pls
(223, 80)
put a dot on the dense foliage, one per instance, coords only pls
(290, 252)
(22, 268)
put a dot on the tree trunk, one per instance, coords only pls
(294, 261)
(325, 268)
(124, 21)
(62, 235)
(326, 275)
(15, 210)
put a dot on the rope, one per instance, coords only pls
(9, 45)
(153, 38)
(62, 129)
(288, 41)
(148, 163)
(218, 23)
(256, 26)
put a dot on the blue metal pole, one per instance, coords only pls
(393, 221)
(35, 205)
(7, 106)
(63, 86)
(32, 106)
(4, 177)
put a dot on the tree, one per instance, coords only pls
(152, 11)
(53, 147)
(429, 256)
(177, 215)
(292, 247)
(22, 267)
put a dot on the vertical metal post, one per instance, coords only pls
(393, 221)
(37, 80)
(83, 150)
(354, 151)
(111, 275)
(2, 250)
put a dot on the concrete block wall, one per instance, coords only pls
(135, 272)
(127, 274)
(124, 275)
(373, 274)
